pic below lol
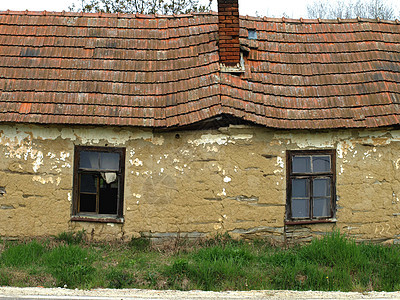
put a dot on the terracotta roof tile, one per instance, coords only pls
(163, 71)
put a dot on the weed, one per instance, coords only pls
(22, 255)
(119, 278)
(140, 244)
(70, 265)
(5, 278)
(72, 237)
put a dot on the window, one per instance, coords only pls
(310, 185)
(98, 183)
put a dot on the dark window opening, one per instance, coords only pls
(98, 182)
(310, 185)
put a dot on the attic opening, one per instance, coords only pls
(252, 34)
(223, 120)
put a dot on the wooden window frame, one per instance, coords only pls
(97, 217)
(312, 175)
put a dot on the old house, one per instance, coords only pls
(129, 125)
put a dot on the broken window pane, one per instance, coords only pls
(109, 161)
(108, 199)
(321, 163)
(300, 188)
(300, 208)
(89, 160)
(88, 202)
(88, 183)
(301, 164)
(321, 207)
(321, 187)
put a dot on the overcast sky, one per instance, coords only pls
(271, 8)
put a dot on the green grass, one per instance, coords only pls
(333, 262)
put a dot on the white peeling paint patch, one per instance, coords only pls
(137, 162)
(64, 155)
(137, 202)
(110, 224)
(51, 155)
(179, 168)
(212, 149)
(322, 140)
(175, 160)
(44, 180)
(137, 195)
(38, 161)
(217, 226)
(220, 139)
(223, 193)
(113, 136)
(131, 153)
(398, 163)
(157, 141)
(279, 162)
(341, 170)
(162, 170)
(23, 150)
(227, 179)
(69, 197)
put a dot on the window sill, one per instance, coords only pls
(303, 222)
(98, 219)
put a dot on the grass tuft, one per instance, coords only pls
(70, 265)
(22, 255)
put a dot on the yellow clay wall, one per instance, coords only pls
(197, 183)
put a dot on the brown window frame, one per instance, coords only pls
(310, 176)
(96, 216)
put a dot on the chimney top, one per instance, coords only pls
(228, 24)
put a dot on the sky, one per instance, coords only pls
(270, 8)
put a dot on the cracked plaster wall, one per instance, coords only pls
(196, 183)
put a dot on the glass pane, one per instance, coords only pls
(300, 188)
(87, 203)
(89, 160)
(109, 161)
(322, 207)
(300, 208)
(321, 163)
(301, 164)
(322, 187)
(88, 183)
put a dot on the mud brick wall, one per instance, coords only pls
(198, 183)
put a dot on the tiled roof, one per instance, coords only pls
(163, 71)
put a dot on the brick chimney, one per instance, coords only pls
(228, 22)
